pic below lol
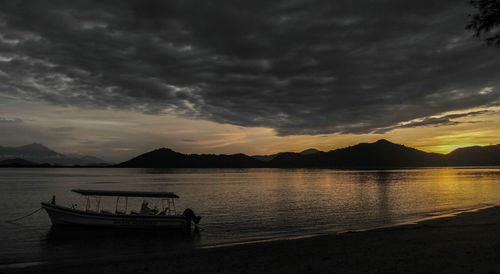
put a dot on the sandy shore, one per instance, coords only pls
(466, 243)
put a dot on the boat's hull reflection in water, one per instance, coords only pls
(70, 243)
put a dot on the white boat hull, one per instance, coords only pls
(60, 215)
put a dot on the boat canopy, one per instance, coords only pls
(118, 193)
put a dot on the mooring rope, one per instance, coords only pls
(25, 216)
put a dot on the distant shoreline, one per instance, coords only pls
(286, 168)
(380, 155)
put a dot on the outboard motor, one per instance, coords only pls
(189, 214)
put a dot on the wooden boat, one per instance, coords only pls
(167, 218)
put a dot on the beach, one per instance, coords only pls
(466, 243)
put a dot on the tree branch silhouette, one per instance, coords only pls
(485, 23)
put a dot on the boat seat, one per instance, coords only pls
(106, 212)
(120, 212)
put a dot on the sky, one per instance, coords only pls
(115, 79)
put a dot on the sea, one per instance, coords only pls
(238, 206)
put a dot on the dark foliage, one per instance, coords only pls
(485, 22)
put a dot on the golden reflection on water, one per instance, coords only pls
(240, 205)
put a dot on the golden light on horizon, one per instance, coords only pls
(125, 134)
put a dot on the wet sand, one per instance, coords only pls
(466, 243)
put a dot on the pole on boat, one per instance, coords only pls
(117, 199)
(98, 199)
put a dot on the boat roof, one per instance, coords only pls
(154, 194)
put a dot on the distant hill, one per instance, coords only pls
(309, 151)
(380, 154)
(475, 156)
(40, 154)
(87, 160)
(34, 150)
(267, 158)
(167, 158)
(16, 162)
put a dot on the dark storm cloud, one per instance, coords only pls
(300, 67)
(435, 121)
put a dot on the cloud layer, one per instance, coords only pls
(299, 67)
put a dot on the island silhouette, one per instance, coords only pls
(379, 154)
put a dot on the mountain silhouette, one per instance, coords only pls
(167, 158)
(475, 156)
(380, 154)
(31, 150)
(267, 158)
(16, 162)
(40, 154)
(309, 151)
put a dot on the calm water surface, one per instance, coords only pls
(237, 205)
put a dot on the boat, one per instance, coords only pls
(97, 216)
